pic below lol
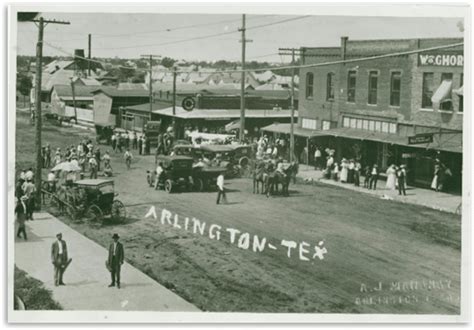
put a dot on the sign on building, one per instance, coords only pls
(420, 139)
(441, 59)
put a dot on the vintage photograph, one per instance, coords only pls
(245, 160)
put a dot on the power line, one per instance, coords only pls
(206, 36)
(303, 66)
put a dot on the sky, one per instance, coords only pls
(131, 35)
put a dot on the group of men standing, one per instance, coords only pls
(60, 259)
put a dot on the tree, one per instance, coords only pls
(24, 85)
(168, 62)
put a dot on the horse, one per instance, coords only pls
(276, 178)
(260, 175)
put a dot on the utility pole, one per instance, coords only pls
(175, 72)
(89, 55)
(41, 22)
(74, 99)
(242, 83)
(150, 57)
(292, 104)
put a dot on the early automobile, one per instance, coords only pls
(177, 173)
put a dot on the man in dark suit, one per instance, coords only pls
(401, 178)
(59, 258)
(374, 177)
(20, 211)
(115, 260)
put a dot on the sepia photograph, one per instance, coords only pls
(238, 164)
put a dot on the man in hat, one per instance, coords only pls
(401, 180)
(374, 177)
(20, 211)
(115, 260)
(59, 259)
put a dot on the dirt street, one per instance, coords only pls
(382, 256)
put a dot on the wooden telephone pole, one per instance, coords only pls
(89, 55)
(284, 51)
(150, 57)
(41, 23)
(242, 83)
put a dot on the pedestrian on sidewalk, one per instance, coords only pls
(401, 180)
(366, 176)
(391, 177)
(317, 158)
(115, 260)
(374, 177)
(221, 189)
(21, 211)
(59, 258)
(357, 168)
(350, 171)
(128, 158)
(29, 190)
(97, 158)
(140, 145)
(93, 167)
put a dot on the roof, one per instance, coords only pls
(89, 81)
(114, 92)
(216, 147)
(285, 129)
(79, 91)
(157, 105)
(94, 182)
(131, 86)
(174, 157)
(223, 113)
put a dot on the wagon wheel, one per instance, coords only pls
(93, 215)
(118, 211)
(198, 184)
(168, 186)
(71, 212)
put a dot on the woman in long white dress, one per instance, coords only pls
(344, 170)
(434, 183)
(391, 178)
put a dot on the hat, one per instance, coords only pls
(115, 236)
(59, 234)
(403, 166)
(24, 197)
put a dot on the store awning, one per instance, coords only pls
(222, 114)
(443, 93)
(232, 125)
(459, 91)
(298, 131)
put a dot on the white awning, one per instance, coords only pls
(232, 125)
(459, 91)
(443, 93)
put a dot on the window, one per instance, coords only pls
(308, 123)
(326, 125)
(448, 104)
(393, 128)
(351, 86)
(359, 124)
(378, 126)
(345, 122)
(395, 86)
(309, 85)
(330, 87)
(371, 125)
(427, 91)
(365, 124)
(384, 127)
(353, 123)
(461, 97)
(373, 77)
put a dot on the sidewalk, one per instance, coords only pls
(87, 279)
(418, 196)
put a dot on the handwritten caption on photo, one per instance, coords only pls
(302, 250)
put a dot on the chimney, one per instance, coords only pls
(343, 47)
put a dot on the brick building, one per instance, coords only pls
(369, 109)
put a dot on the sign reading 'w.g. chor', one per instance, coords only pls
(441, 59)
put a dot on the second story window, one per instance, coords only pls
(427, 90)
(351, 86)
(373, 80)
(330, 87)
(395, 87)
(448, 103)
(309, 85)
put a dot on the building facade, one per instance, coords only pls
(368, 109)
